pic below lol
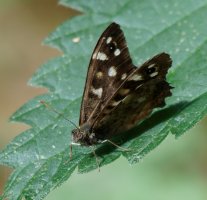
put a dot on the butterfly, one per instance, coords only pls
(118, 94)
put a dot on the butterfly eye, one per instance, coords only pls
(74, 131)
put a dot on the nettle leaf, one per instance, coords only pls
(40, 155)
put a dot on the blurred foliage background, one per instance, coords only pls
(177, 169)
(24, 24)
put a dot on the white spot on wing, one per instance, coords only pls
(123, 76)
(150, 66)
(108, 40)
(112, 71)
(101, 56)
(136, 77)
(97, 92)
(153, 74)
(94, 55)
(117, 52)
(99, 74)
(123, 92)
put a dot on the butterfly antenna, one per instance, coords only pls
(54, 110)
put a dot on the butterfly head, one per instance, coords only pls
(83, 135)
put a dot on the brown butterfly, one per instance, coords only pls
(117, 94)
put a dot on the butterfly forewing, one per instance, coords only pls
(109, 66)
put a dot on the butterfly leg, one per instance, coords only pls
(121, 148)
(95, 155)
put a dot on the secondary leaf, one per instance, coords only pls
(40, 155)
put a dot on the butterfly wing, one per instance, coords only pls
(109, 66)
(141, 92)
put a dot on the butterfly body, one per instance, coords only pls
(117, 94)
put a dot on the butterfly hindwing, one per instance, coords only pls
(109, 66)
(138, 105)
(154, 69)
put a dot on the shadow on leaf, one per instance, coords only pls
(106, 151)
(155, 119)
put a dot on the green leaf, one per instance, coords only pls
(40, 155)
